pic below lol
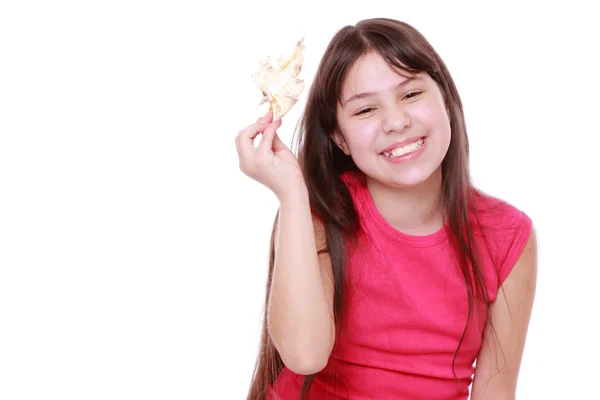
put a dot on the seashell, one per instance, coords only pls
(278, 81)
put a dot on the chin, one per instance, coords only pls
(407, 179)
(403, 179)
(406, 176)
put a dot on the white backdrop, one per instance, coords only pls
(133, 252)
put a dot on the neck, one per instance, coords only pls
(417, 210)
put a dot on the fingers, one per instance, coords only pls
(253, 130)
(244, 141)
(268, 117)
(266, 143)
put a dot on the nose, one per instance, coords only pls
(396, 119)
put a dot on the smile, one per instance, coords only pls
(401, 151)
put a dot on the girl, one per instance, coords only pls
(390, 273)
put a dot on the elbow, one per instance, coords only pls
(306, 365)
(307, 358)
(305, 353)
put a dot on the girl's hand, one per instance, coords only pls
(271, 163)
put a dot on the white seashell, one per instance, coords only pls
(279, 82)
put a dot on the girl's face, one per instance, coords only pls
(397, 130)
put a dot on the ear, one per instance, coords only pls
(338, 138)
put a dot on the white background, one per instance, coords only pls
(133, 252)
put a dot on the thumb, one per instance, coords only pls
(266, 142)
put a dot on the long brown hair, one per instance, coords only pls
(322, 163)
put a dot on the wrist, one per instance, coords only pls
(296, 190)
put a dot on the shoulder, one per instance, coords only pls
(494, 211)
(505, 229)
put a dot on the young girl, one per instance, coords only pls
(390, 274)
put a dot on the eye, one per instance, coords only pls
(412, 95)
(365, 110)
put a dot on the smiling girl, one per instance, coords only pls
(391, 276)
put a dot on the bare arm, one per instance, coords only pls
(500, 358)
(300, 309)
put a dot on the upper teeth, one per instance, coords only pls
(400, 151)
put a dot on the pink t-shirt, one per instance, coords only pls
(406, 307)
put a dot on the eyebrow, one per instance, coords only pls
(370, 94)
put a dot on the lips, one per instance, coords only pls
(401, 144)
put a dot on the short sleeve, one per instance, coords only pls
(512, 242)
(507, 230)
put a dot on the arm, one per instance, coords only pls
(300, 309)
(500, 355)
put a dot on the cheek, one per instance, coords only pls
(363, 134)
(433, 116)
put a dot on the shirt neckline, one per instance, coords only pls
(392, 232)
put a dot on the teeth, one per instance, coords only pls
(400, 151)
